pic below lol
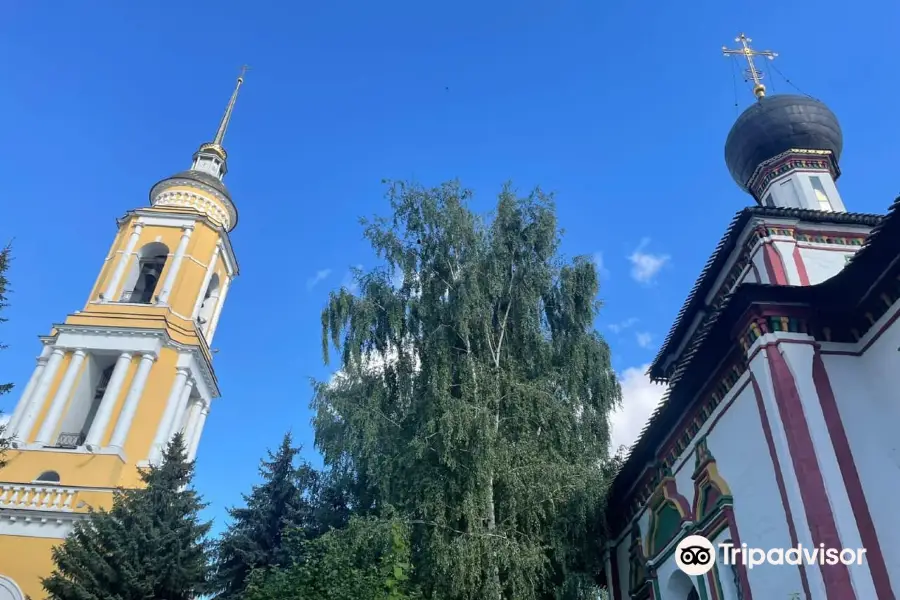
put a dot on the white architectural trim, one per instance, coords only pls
(180, 410)
(165, 423)
(176, 264)
(210, 269)
(129, 408)
(10, 588)
(38, 524)
(58, 405)
(197, 431)
(35, 403)
(210, 329)
(113, 285)
(137, 341)
(22, 405)
(79, 450)
(107, 403)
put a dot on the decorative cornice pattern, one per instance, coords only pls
(813, 160)
(200, 203)
(160, 188)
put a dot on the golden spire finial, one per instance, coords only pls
(226, 118)
(753, 73)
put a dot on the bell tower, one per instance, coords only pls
(117, 379)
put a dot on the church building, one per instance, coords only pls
(117, 379)
(779, 424)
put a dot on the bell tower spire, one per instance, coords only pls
(211, 157)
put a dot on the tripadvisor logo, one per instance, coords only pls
(696, 555)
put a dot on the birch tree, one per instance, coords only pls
(474, 394)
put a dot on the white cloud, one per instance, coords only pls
(602, 271)
(620, 327)
(318, 278)
(644, 339)
(349, 281)
(639, 398)
(4, 419)
(644, 265)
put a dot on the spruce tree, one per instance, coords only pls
(5, 388)
(151, 545)
(254, 538)
(475, 394)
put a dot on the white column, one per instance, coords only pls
(40, 394)
(126, 416)
(51, 421)
(209, 273)
(190, 423)
(197, 430)
(22, 406)
(104, 411)
(211, 327)
(176, 264)
(122, 262)
(165, 423)
(181, 408)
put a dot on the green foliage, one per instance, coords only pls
(254, 538)
(5, 388)
(367, 560)
(475, 395)
(150, 545)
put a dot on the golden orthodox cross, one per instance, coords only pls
(753, 73)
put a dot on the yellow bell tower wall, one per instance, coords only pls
(119, 378)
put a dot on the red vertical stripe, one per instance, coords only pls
(806, 466)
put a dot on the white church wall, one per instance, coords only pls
(823, 263)
(742, 457)
(760, 263)
(726, 572)
(673, 583)
(866, 389)
(785, 251)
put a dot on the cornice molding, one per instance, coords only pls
(206, 369)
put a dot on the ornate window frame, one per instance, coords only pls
(665, 498)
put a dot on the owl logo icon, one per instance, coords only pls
(695, 555)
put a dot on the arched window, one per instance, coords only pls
(48, 477)
(693, 595)
(145, 274)
(209, 301)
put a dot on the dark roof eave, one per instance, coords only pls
(841, 292)
(713, 267)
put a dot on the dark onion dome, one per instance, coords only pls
(776, 124)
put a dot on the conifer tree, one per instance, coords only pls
(254, 538)
(476, 395)
(150, 545)
(5, 388)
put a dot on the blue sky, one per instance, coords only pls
(621, 110)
